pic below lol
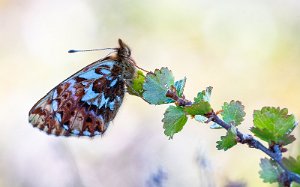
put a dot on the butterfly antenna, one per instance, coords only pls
(133, 62)
(86, 50)
(142, 69)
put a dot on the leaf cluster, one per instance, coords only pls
(272, 125)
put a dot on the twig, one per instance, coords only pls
(275, 153)
(180, 101)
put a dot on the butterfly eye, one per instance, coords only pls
(124, 52)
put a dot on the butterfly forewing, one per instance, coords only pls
(85, 103)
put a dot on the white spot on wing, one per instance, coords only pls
(105, 71)
(109, 78)
(75, 131)
(86, 133)
(89, 94)
(54, 94)
(54, 105)
(90, 75)
(113, 82)
(103, 101)
(66, 127)
(111, 105)
(95, 102)
(108, 63)
(58, 117)
(118, 99)
(72, 82)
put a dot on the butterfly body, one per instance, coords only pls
(85, 103)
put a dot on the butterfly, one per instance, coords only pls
(85, 103)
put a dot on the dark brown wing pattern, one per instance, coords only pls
(84, 104)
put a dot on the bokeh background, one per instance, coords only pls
(247, 50)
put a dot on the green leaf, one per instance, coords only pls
(294, 184)
(179, 85)
(292, 164)
(273, 125)
(156, 86)
(199, 108)
(201, 118)
(215, 126)
(233, 113)
(227, 141)
(270, 171)
(201, 105)
(174, 120)
(269, 136)
(136, 85)
(204, 95)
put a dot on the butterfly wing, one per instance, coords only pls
(83, 104)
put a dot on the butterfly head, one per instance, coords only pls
(124, 51)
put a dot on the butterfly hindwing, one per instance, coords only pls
(83, 104)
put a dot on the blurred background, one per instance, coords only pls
(246, 50)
